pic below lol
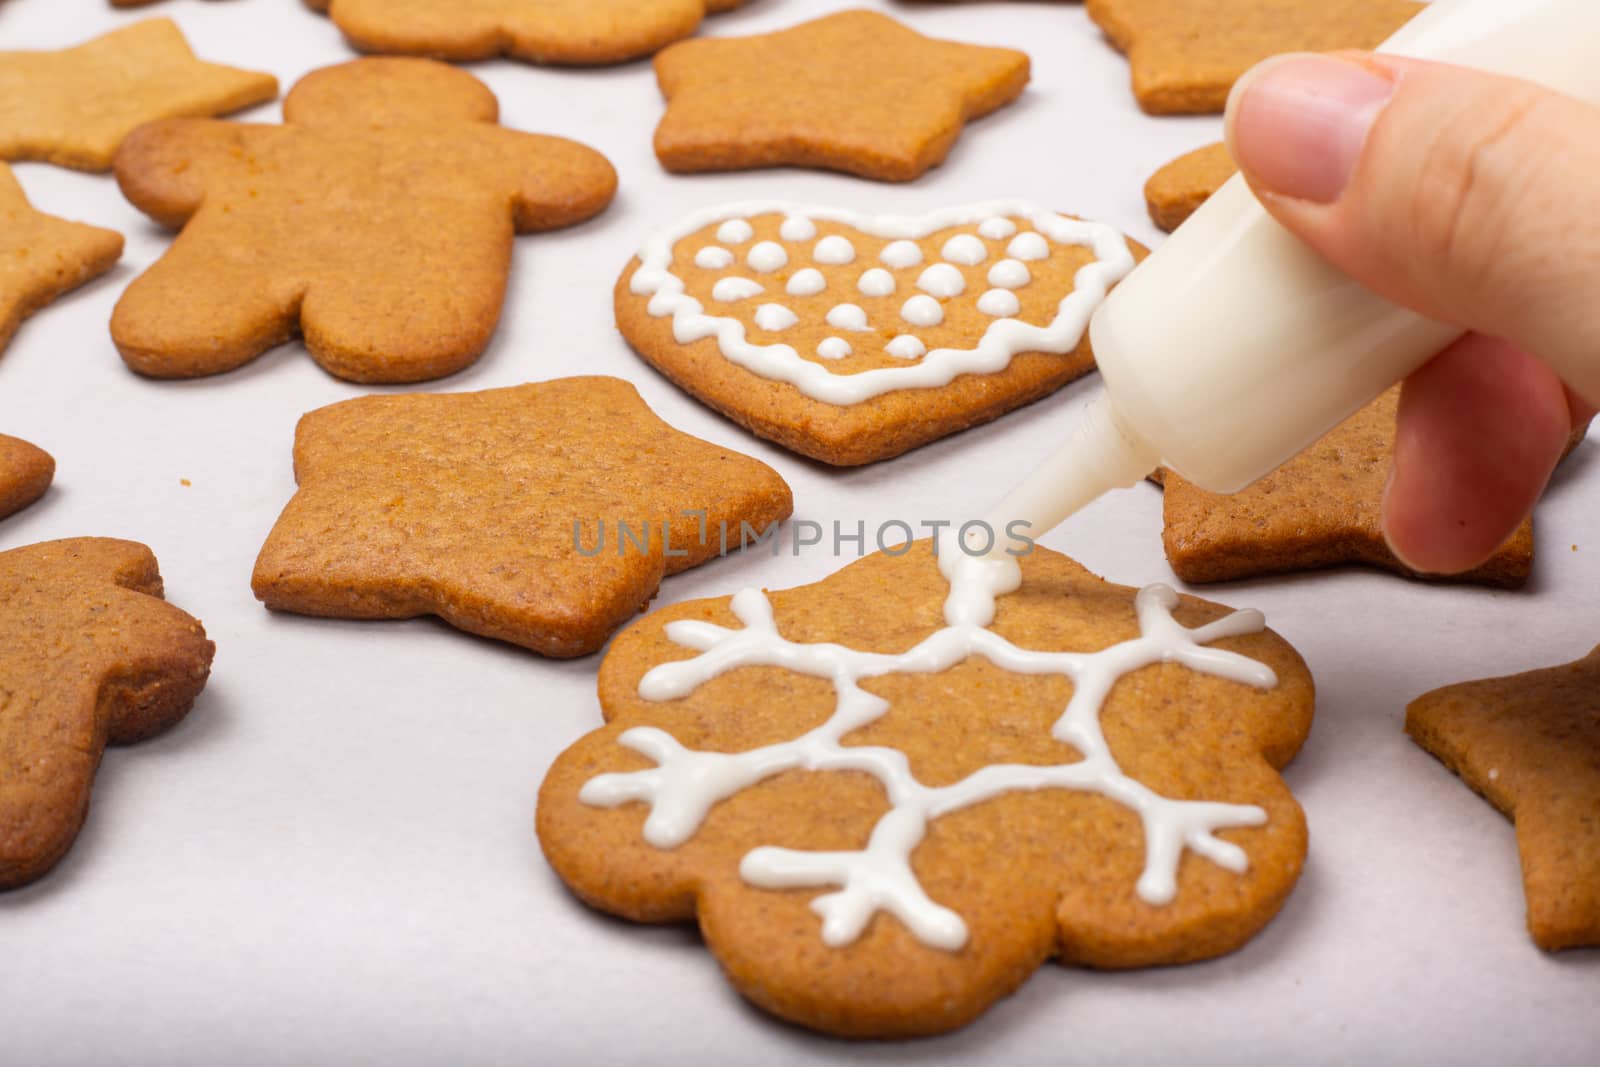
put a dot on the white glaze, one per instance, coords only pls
(766, 257)
(906, 346)
(835, 251)
(848, 317)
(997, 229)
(1028, 246)
(922, 310)
(735, 232)
(713, 257)
(965, 249)
(685, 783)
(797, 228)
(731, 290)
(1010, 274)
(775, 317)
(902, 254)
(876, 282)
(808, 281)
(834, 348)
(1001, 342)
(999, 303)
(942, 279)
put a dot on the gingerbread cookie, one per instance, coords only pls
(567, 32)
(855, 92)
(1177, 190)
(91, 655)
(887, 798)
(1530, 744)
(42, 257)
(25, 473)
(850, 337)
(74, 107)
(545, 515)
(1321, 509)
(1187, 55)
(377, 222)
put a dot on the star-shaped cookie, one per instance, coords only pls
(565, 32)
(1321, 509)
(1530, 744)
(42, 256)
(1177, 190)
(74, 107)
(25, 474)
(544, 515)
(1186, 55)
(90, 655)
(856, 92)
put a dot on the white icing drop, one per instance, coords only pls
(713, 257)
(922, 310)
(686, 783)
(775, 317)
(1000, 343)
(876, 282)
(1000, 303)
(1028, 246)
(902, 254)
(766, 257)
(730, 290)
(906, 347)
(997, 229)
(834, 348)
(735, 232)
(942, 279)
(965, 249)
(807, 281)
(1010, 274)
(834, 250)
(848, 317)
(797, 228)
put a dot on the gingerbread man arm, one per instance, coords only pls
(165, 167)
(555, 182)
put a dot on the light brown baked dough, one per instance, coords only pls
(25, 474)
(1177, 190)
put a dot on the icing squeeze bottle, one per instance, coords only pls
(1235, 346)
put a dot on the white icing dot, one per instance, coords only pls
(906, 347)
(997, 228)
(834, 348)
(807, 282)
(735, 232)
(901, 254)
(775, 317)
(728, 290)
(848, 317)
(1029, 246)
(713, 257)
(767, 257)
(797, 228)
(922, 310)
(1000, 303)
(942, 280)
(966, 249)
(876, 282)
(1010, 274)
(834, 250)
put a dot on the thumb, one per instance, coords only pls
(1464, 196)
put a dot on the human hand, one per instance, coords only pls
(1472, 199)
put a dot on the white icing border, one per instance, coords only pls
(1001, 342)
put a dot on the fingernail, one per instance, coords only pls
(1297, 123)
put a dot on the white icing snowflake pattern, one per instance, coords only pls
(686, 783)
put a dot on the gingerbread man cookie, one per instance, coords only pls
(74, 107)
(378, 222)
(570, 32)
(851, 337)
(1177, 190)
(855, 91)
(25, 474)
(545, 515)
(42, 257)
(90, 655)
(1530, 744)
(888, 797)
